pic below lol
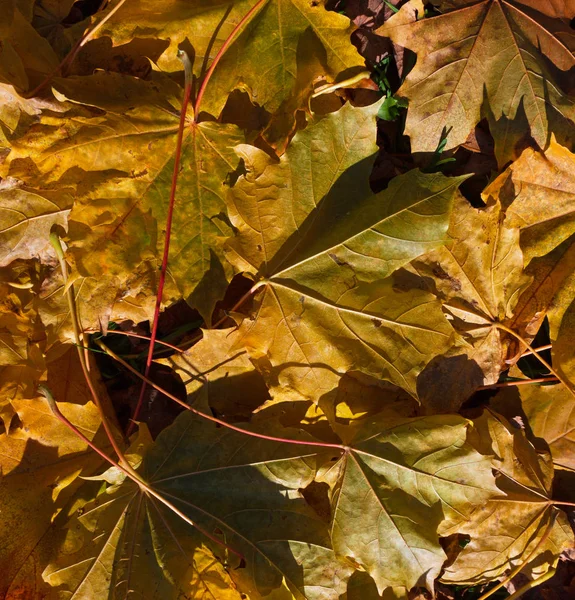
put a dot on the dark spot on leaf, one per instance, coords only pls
(259, 246)
(337, 260)
(439, 272)
(376, 322)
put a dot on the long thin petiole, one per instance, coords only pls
(164, 268)
(220, 53)
(209, 417)
(55, 241)
(518, 382)
(127, 469)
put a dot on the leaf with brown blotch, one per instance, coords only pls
(321, 246)
(489, 58)
(401, 481)
(479, 278)
(237, 489)
(507, 530)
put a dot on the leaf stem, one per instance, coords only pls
(137, 335)
(127, 469)
(518, 382)
(537, 355)
(55, 241)
(531, 584)
(214, 419)
(220, 53)
(162, 280)
(540, 349)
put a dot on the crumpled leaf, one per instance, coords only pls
(321, 244)
(240, 490)
(26, 217)
(549, 293)
(489, 58)
(272, 35)
(479, 276)
(506, 531)
(538, 193)
(400, 481)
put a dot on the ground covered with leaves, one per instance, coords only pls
(287, 299)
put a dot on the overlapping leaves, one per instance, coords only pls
(494, 59)
(360, 302)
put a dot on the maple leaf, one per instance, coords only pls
(399, 482)
(120, 167)
(508, 530)
(492, 59)
(538, 193)
(272, 34)
(479, 276)
(321, 244)
(237, 489)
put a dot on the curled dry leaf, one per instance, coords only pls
(537, 192)
(479, 277)
(510, 529)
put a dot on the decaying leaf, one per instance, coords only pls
(264, 58)
(550, 411)
(329, 452)
(492, 58)
(538, 193)
(40, 463)
(510, 530)
(479, 277)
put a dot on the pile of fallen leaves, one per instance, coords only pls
(338, 243)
